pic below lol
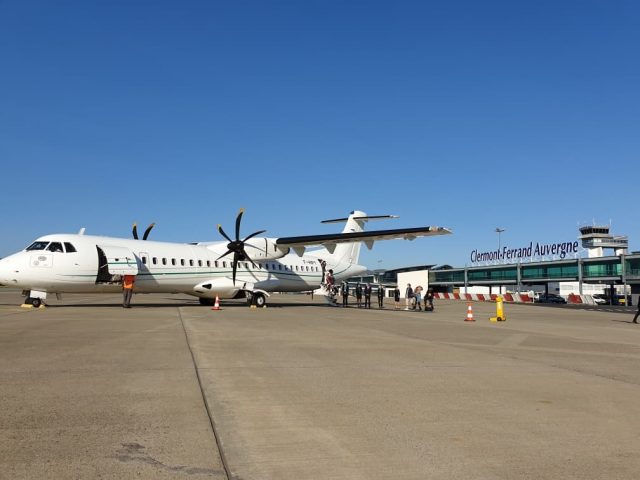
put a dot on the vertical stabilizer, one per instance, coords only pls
(350, 252)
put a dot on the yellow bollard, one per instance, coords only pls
(500, 316)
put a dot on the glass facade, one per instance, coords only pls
(592, 269)
(551, 271)
(601, 269)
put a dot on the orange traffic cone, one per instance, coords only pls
(469, 314)
(216, 306)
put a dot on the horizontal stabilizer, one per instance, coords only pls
(365, 218)
(371, 236)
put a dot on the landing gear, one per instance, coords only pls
(258, 299)
(34, 298)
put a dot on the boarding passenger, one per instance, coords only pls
(127, 290)
(367, 295)
(417, 296)
(396, 298)
(428, 300)
(380, 296)
(635, 318)
(345, 294)
(359, 295)
(408, 296)
(330, 280)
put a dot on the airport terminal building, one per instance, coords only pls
(548, 268)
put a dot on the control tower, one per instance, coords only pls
(595, 238)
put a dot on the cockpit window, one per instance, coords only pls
(69, 247)
(38, 246)
(55, 247)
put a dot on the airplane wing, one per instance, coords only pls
(368, 237)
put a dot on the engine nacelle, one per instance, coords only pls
(264, 249)
(218, 287)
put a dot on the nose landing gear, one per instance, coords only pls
(34, 298)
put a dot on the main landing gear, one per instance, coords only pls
(258, 299)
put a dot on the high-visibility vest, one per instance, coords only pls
(128, 281)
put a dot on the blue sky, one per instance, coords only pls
(465, 114)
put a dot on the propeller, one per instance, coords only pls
(237, 246)
(134, 231)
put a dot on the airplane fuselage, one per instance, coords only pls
(81, 266)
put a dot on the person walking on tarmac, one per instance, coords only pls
(635, 318)
(127, 290)
(380, 296)
(396, 298)
(345, 294)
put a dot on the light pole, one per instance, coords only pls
(499, 232)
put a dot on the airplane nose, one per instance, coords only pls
(8, 275)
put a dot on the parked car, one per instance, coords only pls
(600, 299)
(550, 298)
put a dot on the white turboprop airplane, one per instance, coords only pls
(78, 263)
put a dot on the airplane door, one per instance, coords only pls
(115, 261)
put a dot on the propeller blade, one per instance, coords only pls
(224, 254)
(148, 231)
(253, 235)
(238, 219)
(224, 234)
(134, 231)
(247, 257)
(235, 267)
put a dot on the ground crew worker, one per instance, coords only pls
(127, 290)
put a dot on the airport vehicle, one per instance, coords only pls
(550, 298)
(236, 268)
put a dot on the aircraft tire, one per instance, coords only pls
(259, 300)
(36, 302)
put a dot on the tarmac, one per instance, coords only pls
(299, 390)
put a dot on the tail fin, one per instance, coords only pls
(349, 252)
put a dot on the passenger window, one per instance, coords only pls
(155, 260)
(164, 261)
(173, 261)
(191, 263)
(208, 263)
(182, 262)
(144, 260)
(69, 248)
(224, 264)
(216, 263)
(199, 263)
(55, 247)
